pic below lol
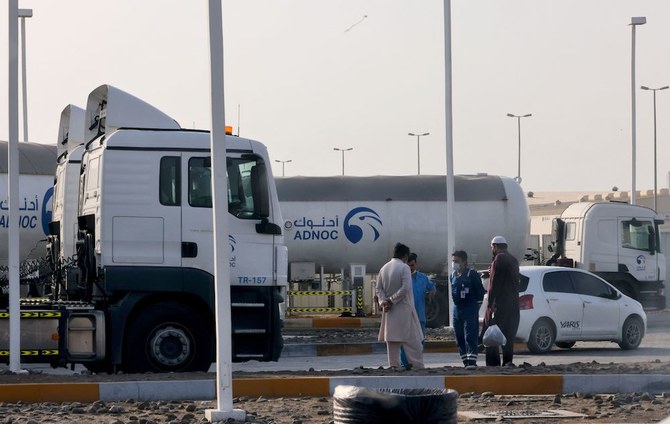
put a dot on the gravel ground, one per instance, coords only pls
(607, 408)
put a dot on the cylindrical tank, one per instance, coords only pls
(337, 221)
(37, 167)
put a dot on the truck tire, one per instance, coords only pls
(631, 333)
(360, 405)
(437, 309)
(168, 337)
(542, 336)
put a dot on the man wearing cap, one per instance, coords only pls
(503, 301)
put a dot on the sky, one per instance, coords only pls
(307, 76)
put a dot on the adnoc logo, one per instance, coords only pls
(232, 259)
(641, 263)
(47, 212)
(352, 228)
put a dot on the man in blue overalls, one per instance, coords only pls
(467, 292)
(421, 285)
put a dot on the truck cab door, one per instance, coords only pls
(250, 252)
(637, 245)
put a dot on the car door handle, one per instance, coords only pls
(587, 302)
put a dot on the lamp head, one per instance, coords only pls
(638, 20)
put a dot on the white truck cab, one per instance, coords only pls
(617, 241)
(145, 241)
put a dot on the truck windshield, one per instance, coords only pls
(637, 234)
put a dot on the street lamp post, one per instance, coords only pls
(283, 162)
(418, 151)
(343, 150)
(518, 120)
(655, 162)
(634, 22)
(23, 14)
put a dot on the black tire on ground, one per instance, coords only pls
(359, 405)
(437, 309)
(631, 333)
(168, 337)
(542, 336)
(565, 345)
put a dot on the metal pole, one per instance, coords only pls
(23, 79)
(418, 156)
(451, 225)
(224, 386)
(342, 162)
(518, 169)
(633, 193)
(13, 188)
(655, 165)
(282, 168)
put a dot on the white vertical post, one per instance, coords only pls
(224, 381)
(23, 14)
(448, 111)
(633, 192)
(13, 189)
(634, 21)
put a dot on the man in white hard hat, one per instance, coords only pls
(503, 301)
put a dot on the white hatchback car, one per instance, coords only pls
(564, 305)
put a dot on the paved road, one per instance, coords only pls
(656, 345)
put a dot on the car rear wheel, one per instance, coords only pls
(565, 345)
(542, 336)
(631, 333)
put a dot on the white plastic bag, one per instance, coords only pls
(493, 337)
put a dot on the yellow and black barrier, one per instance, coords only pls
(324, 309)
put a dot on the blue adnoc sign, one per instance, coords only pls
(358, 223)
(30, 213)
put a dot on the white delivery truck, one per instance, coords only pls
(332, 223)
(617, 241)
(141, 296)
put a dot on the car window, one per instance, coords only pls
(523, 283)
(588, 285)
(557, 282)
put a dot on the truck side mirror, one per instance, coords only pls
(652, 240)
(259, 190)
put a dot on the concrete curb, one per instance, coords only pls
(332, 322)
(654, 319)
(340, 349)
(548, 384)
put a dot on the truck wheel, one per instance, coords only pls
(437, 310)
(542, 336)
(168, 337)
(631, 333)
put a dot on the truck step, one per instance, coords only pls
(249, 355)
(249, 331)
(247, 305)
